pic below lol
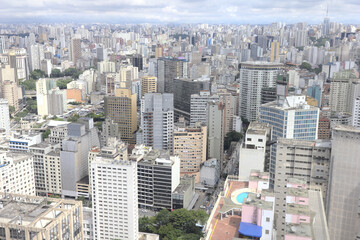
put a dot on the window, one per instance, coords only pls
(260, 140)
(268, 219)
(248, 139)
(267, 231)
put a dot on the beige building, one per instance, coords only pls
(75, 50)
(10, 92)
(37, 218)
(148, 85)
(53, 172)
(121, 108)
(190, 146)
(227, 99)
(344, 89)
(274, 53)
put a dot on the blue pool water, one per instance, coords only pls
(240, 198)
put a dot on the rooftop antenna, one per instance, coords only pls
(327, 10)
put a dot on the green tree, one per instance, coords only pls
(29, 84)
(182, 219)
(168, 232)
(62, 83)
(55, 73)
(73, 118)
(11, 109)
(232, 136)
(200, 216)
(162, 218)
(305, 65)
(31, 105)
(73, 72)
(36, 74)
(45, 134)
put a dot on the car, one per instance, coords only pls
(202, 207)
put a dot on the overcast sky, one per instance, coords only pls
(178, 11)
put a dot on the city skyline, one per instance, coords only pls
(178, 11)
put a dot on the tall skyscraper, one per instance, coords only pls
(274, 52)
(183, 89)
(356, 113)
(198, 106)
(167, 70)
(148, 85)
(115, 199)
(253, 77)
(157, 120)
(344, 184)
(4, 117)
(36, 56)
(75, 48)
(50, 99)
(216, 131)
(121, 108)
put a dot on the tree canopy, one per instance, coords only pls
(62, 83)
(179, 224)
(232, 136)
(36, 74)
(307, 66)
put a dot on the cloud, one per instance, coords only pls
(178, 11)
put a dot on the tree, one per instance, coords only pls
(162, 218)
(36, 74)
(305, 65)
(45, 134)
(169, 232)
(31, 105)
(11, 109)
(73, 72)
(232, 136)
(182, 219)
(55, 73)
(62, 83)
(73, 118)
(29, 84)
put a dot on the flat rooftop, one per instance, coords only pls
(227, 227)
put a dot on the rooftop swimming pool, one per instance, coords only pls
(240, 198)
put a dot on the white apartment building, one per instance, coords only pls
(198, 106)
(253, 151)
(17, 173)
(4, 117)
(115, 201)
(356, 113)
(253, 77)
(157, 120)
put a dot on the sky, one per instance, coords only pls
(179, 11)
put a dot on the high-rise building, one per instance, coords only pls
(4, 117)
(138, 61)
(290, 118)
(17, 173)
(115, 199)
(228, 100)
(75, 48)
(167, 70)
(148, 85)
(343, 195)
(121, 108)
(158, 176)
(190, 145)
(74, 154)
(253, 77)
(326, 27)
(216, 131)
(183, 89)
(344, 89)
(35, 218)
(198, 106)
(50, 99)
(316, 93)
(10, 92)
(157, 120)
(356, 113)
(36, 56)
(274, 52)
(306, 160)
